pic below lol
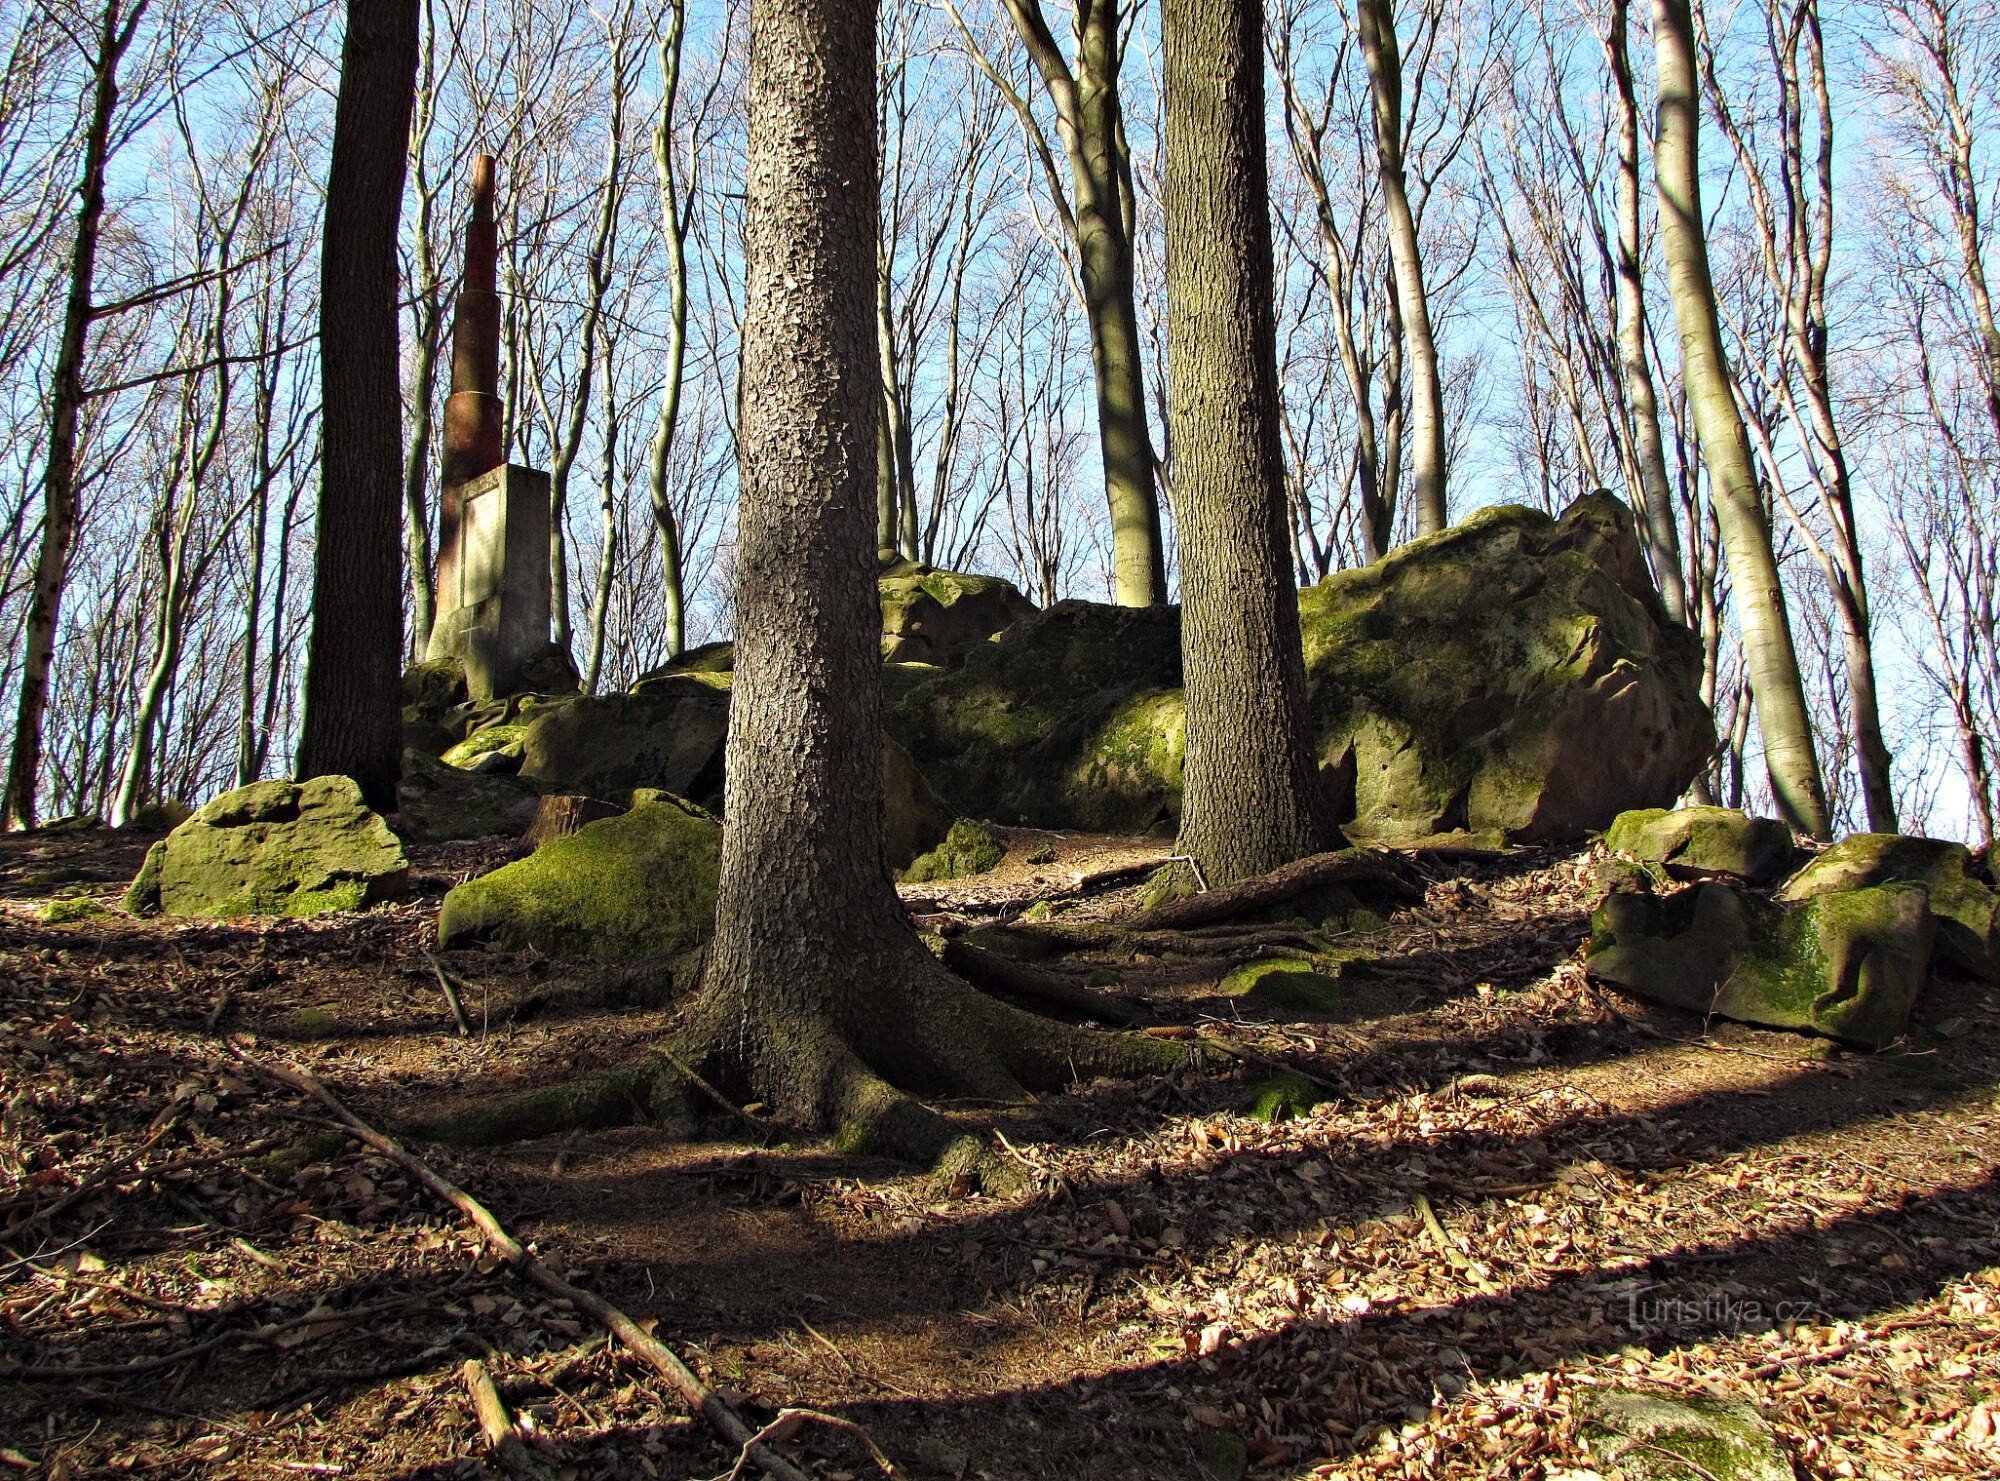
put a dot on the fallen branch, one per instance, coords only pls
(1347, 867)
(790, 1421)
(495, 1423)
(103, 1177)
(450, 996)
(656, 1355)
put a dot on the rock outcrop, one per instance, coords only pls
(669, 736)
(641, 884)
(1966, 906)
(437, 803)
(1847, 963)
(274, 848)
(1515, 675)
(939, 617)
(1700, 842)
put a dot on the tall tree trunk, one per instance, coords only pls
(353, 702)
(1376, 20)
(1649, 446)
(1252, 798)
(673, 215)
(116, 27)
(1101, 222)
(1773, 664)
(822, 1036)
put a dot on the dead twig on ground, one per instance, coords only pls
(790, 1421)
(655, 1354)
(503, 1439)
(450, 996)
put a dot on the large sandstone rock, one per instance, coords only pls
(637, 885)
(437, 803)
(274, 848)
(1651, 1435)
(1702, 841)
(931, 616)
(1966, 907)
(669, 736)
(1846, 963)
(1071, 719)
(1515, 675)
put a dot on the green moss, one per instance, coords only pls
(276, 848)
(1101, 977)
(1282, 982)
(1656, 1436)
(142, 897)
(1282, 1096)
(508, 740)
(968, 848)
(1040, 910)
(280, 1166)
(640, 884)
(67, 912)
(313, 1022)
(1966, 907)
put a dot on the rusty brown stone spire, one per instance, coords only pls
(473, 414)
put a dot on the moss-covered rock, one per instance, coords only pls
(1515, 676)
(1282, 1096)
(1967, 908)
(71, 910)
(1847, 963)
(1071, 718)
(274, 848)
(1650, 1435)
(1286, 983)
(968, 848)
(604, 745)
(640, 884)
(495, 748)
(1701, 841)
(938, 617)
(437, 802)
(434, 696)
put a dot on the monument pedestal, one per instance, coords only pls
(493, 593)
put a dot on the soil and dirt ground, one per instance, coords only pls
(1519, 1185)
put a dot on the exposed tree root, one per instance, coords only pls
(1352, 867)
(1025, 982)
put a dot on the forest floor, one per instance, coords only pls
(1520, 1186)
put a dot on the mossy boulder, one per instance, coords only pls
(437, 803)
(1287, 983)
(70, 910)
(1701, 841)
(605, 745)
(496, 748)
(1966, 907)
(1515, 676)
(1282, 1096)
(641, 884)
(1651, 1435)
(434, 695)
(274, 848)
(1071, 719)
(938, 617)
(968, 848)
(1846, 963)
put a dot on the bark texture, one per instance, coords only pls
(1725, 445)
(353, 702)
(817, 994)
(1252, 796)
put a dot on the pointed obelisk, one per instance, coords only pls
(493, 519)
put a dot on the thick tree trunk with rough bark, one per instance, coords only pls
(1252, 796)
(818, 997)
(1773, 662)
(353, 702)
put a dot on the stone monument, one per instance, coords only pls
(493, 526)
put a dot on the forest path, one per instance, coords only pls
(1519, 1185)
